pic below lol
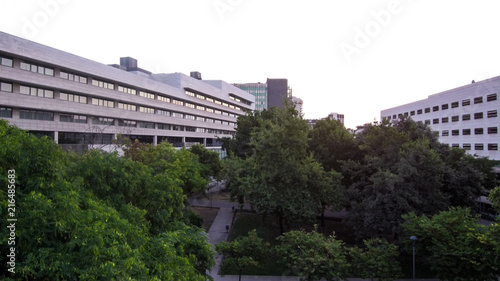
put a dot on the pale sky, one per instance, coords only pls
(351, 57)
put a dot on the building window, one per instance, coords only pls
(427, 122)
(444, 120)
(210, 109)
(73, 118)
(32, 91)
(435, 121)
(478, 115)
(427, 110)
(127, 90)
(72, 77)
(163, 126)
(217, 111)
(102, 84)
(201, 97)
(190, 93)
(126, 106)
(163, 99)
(419, 111)
(37, 68)
(455, 132)
(177, 115)
(478, 100)
(456, 145)
(478, 146)
(454, 118)
(200, 130)
(5, 112)
(412, 113)
(492, 146)
(102, 121)
(199, 118)
(127, 123)
(209, 120)
(6, 61)
(6, 87)
(465, 117)
(148, 110)
(72, 98)
(190, 105)
(104, 103)
(444, 106)
(190, 129)
(178, 102)
(491, 97)
(218, 102)
(466, 146)
(199, 107)
(454, 104)
(147, 125)
(492, 130)
(492, 113)
(466, 102)
(147, 95)
(36, 115)
(435, 108)
(478, 131)
(177, 128)
(189, 117)
(466, 132)
(210, 99)
(163, 112)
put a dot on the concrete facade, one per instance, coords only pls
(465, 117)
(58, 94)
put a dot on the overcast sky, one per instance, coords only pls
(345, 56)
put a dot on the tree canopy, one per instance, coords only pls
(95, 216)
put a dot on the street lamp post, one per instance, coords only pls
(414, 239)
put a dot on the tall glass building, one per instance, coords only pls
(259, 90)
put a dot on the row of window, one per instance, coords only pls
(74, 118)
(477, 146)
(467, 132)
(37, 68)
(73, 77)
(465, 117)
(466, 102)
(209, 99)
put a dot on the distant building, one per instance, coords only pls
(336, 116)
(79, 102)
(465, 117)
(298, 105)
(259, 90)
(269, 94)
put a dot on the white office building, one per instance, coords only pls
(77, 101)
(465, 117)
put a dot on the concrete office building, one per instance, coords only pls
(298, 105)
(465, 117)
(77, 101)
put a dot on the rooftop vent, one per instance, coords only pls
(129, 63)
(195, 75)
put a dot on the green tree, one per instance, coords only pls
(312, 256)
(495, 198)
(456, 246)
(69, 230)
(212, 165)
(405, 169)
(245, 251)
(331, 144)
(179, 164)
(281, 177)
(376, 260)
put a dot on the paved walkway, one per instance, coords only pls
(217, 233)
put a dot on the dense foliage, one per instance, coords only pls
(97, 216)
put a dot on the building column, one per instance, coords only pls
(205, 142)
(183, 141)
(155, 140)
(56, 137)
